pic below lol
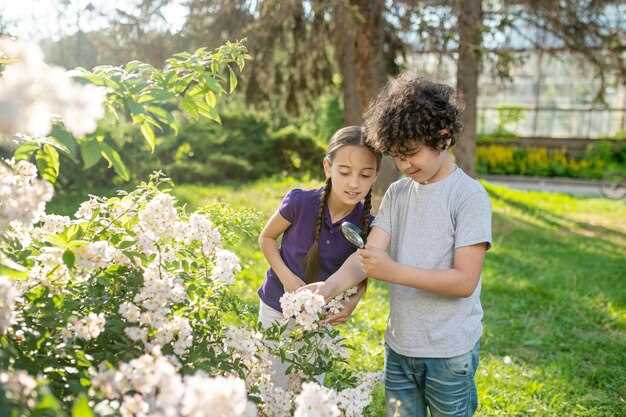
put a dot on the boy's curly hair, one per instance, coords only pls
(413, 108)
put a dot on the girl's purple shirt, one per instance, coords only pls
(301, 208)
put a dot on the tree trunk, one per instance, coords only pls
(469, 14)
(359, 45)
(345, 54)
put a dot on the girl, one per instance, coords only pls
(312, 246)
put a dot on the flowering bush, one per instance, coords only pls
(126, 307)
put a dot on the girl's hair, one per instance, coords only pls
(350, 135)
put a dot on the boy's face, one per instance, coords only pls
(419, 161)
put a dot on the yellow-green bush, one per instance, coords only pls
(538, 161)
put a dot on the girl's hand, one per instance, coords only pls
(293, 282)
(376, 263)
(348, 307)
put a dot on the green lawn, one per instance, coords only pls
(554, 294)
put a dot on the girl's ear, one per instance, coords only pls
(326, 164)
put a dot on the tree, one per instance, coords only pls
(468, 69)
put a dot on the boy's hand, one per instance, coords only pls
(376, 263)
(318, 287)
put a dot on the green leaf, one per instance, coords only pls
(24, 151)
(69, 258)
(81, 407)
(148, 134)
(63, 137)
(47, 159)
(48, 402)
(115, 160)
(90, 151)
(232, 80)
(13, 274)
(210, 99)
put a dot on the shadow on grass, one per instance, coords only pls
(558, 221)
(549, 296)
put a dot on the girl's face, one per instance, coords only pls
(352, 172)
(420, 162)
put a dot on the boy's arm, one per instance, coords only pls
(459, 281)
(351, 272)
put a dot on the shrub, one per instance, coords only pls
(536, 161)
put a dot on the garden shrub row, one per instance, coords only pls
(598, 159)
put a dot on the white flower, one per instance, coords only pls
(335, 305)
(51, 224)
(153, 380)
(88, 327)
(507, 360)
(87, 208)
(159, 218)
(130, 312)
(32, 94)
(19, 386)
(305, 306)
(94, 255)
(353, 401)
(214, 397)
(316, 401)
(8, 294)
(134, 406)
(136, 333)
(226, 266)
(244, 341)
(200, 228)
(23, 198)
(277, 402)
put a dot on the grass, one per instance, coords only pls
(554, 296)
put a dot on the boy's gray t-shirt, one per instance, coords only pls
(426, 224)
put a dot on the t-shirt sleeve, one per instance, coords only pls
(290, 206)
(473, 221)
(383, 217)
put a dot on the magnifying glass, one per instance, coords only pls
(353, 233)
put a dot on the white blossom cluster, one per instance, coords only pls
(199, 227)
(20, 387)
(96, 255)
(151, 386)
(276, 401)
(353, 401)
(226, 267)
(23, 197)
(51, 224)
(49, 270)
(335, 305)
(159, 292)
(159, 218)
(245, 341)
(316, 401)
(86, 328)
(305, 306)
(333, 345)
(88, 208)
(8, 294)
(32, 94)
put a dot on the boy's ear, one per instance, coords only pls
(326, 165)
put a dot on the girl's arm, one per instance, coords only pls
(275, 227)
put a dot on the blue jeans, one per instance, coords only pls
(444, 386)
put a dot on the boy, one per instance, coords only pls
(435, 225)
